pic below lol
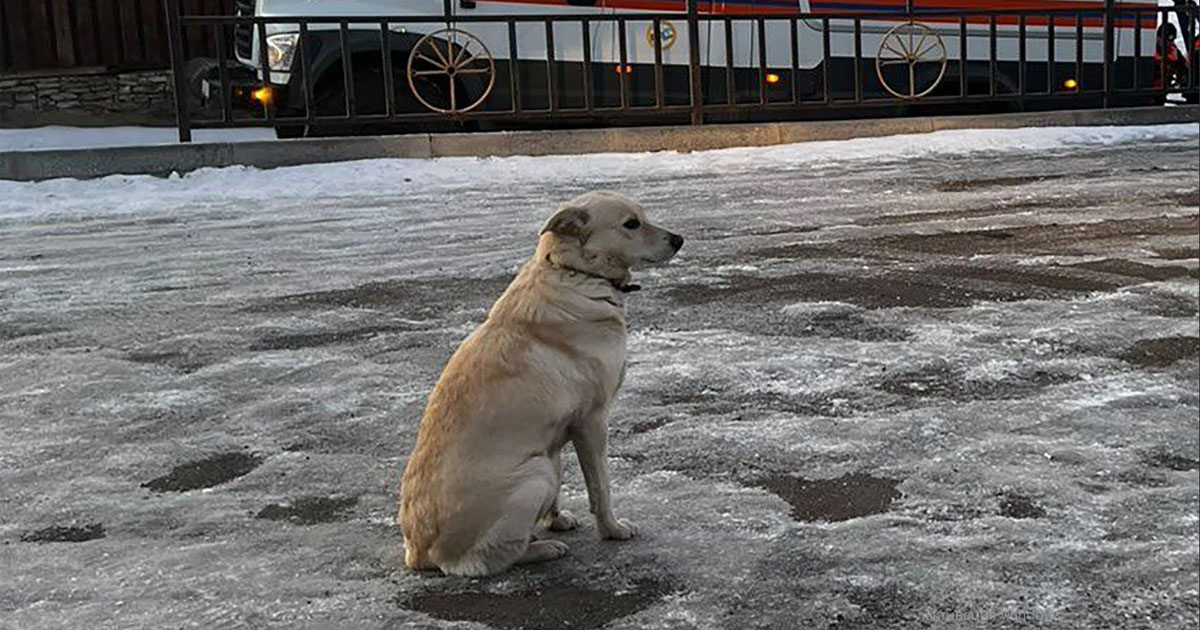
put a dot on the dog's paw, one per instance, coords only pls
(555, 548)
(563, 522)
(543, 550)
(620, 530)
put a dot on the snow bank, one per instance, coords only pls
(139, 193)
(55, 137)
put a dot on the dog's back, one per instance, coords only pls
(470, 458)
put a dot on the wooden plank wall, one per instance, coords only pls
(115, 35)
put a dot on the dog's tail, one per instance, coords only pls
(416, 558)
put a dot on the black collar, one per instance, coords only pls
(616, 284)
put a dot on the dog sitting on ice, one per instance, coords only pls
(540, 371)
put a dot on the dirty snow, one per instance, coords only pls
(943, 381)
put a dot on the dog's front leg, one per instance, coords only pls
(560, 520)
(591, 445)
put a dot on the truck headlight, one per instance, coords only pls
(281, 48)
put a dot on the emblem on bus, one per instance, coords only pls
(666, 34)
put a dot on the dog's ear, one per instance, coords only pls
(568, 222)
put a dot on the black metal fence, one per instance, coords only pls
(360, 72)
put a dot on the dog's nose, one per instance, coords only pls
(676, 241)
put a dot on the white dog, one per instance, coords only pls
(542, 370)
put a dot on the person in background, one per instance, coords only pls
(1169, 62)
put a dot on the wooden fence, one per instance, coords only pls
(45, 36)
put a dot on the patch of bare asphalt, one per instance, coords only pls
(410, 297)
(68, 533)
(298, 341)
(885, 606)
(205, 473)
(1055, 278)
(1165, 304)
(309, 510)
(1187, 199)
(892, 288)
(653, 424)
(942, 381)
(1119, 267)
(16, 330)
(717, 399)
(1015, 505)
(842, 325)
(768, 322)
(1001, 209)
(1162, 351)
(185, 362)
(966, 185)
(1178, 253)
(550, 607)
(852, 495)
(1175, 462)
(1047, 239)
(717, 235)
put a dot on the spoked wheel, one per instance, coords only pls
(909, 54)
(444, 61)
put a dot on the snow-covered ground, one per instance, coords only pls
(55, 137)
(937, 381)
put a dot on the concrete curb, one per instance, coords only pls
(164, 159)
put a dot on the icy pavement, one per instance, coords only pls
(55, 137)
(941, 381)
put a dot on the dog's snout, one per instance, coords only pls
(676, 241)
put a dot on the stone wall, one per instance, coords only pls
(128, 97)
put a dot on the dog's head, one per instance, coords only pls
(605, 234)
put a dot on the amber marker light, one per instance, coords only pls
(772, 77)
(263, 95)
(1071, 84)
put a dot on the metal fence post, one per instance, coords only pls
(175, 43)
(1109, 42)
(693, 20)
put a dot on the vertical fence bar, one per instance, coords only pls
(223, 76)
(962, 56)
(730, 97)
(514, 67)
(1137, 48)
(175, 40)
(586, 37)
(858, 87)
(551, 83)
(992, 55)
(761, 31)
(623, 70)
(310, 109)
(1162, 59)
(1193, 15)
(658, 66)
(795, 40)
(695, 88)
(1051, 74)
(825, 60)
(1108, 52)
(389, 79)
(1079, 51)
(348, 70)
(265, 64)
(1022, 86)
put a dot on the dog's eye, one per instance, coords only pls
(632, 224)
